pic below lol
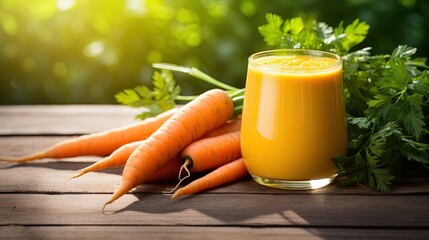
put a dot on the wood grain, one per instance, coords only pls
(50, 175)
(263, 210)
(35, 202)
(203, 232)
(63, 119)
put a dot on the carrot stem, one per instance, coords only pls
(185, 98)
(236, 94)
(195, 72)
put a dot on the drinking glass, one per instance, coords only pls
(293, 120)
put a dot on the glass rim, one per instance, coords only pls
(294, 52)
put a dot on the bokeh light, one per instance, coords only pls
(85, 51)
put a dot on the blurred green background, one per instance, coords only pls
(85, 51)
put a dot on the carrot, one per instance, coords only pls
(224, 174)
(116, 159)
(213, 152)
(167, 172)
(206, 112)
(101, 143)
(209, 153)
(230, 126)
(119, 156)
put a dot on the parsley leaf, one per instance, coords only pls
(367, 165)
(158, 100)
(421, 83)
(414, 120)
(354, 33)
(272, 31)
(293, 33)
(396, 77)
(397, 100)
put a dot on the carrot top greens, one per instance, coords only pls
(165, 92)
(386, 96)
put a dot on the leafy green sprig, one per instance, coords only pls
(386, 99)
(294, 33)
(162, 97)
(166, 92)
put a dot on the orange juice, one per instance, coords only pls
(293, 120)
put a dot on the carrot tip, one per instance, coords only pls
(67, 180)
(115, 196)
(103, 210)
(13, 160)
(174, 197)
(178, 194)
(104, 206)
(109, 202)
(77, 174)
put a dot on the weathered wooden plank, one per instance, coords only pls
(48, 176)
(263, 210)
(200, 232)
(62, 119)
(17, 146)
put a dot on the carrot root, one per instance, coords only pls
(222, 175)
(188, 174)
(23, 159)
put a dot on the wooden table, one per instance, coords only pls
(36, 203)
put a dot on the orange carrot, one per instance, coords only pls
(167, 172)
(208, 111)
(213, 152)
(224, 174)
(101, 143)
(209, 153)
(230, 126)
(116, 159)
(119, 156)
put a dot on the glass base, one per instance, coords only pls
(294, 185)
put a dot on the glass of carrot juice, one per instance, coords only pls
(293, 120)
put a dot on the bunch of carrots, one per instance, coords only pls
(201, 135)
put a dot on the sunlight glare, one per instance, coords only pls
(94, 49)
(64, 5)
(136, 6)
(315, 184)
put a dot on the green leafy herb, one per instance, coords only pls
(165, 92)
(161, 98)
(293, 33)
